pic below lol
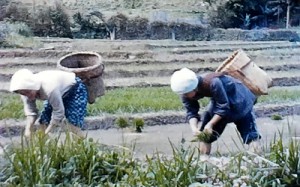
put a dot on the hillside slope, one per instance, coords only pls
(191, 10)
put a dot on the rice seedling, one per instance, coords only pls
(276, 117)
(122, 123)
(137, 100)
(11, 106)
(202, 137)
(138, 123)
(277, 95)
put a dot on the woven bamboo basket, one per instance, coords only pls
(240, 66)
(89, 67)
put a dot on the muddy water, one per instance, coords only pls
(157, 138)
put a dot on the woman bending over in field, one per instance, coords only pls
(230, 101)
(63, 93)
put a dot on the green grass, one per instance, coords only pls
(137, 100)
(41, 161)
(280, 96)
(63, 162)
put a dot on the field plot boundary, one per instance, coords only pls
(149, 63)
(13, 127)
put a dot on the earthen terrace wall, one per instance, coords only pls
(188, 32)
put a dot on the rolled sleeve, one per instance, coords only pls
(219, 98)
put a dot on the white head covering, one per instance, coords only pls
(24, 80)
(183, 81)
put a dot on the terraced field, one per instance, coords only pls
(150, 63)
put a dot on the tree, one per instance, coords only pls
(252, 14)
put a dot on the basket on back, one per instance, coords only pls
(89, 67)
(240, 66)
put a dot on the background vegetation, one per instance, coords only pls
(98, 20)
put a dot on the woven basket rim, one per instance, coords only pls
(231, 57)
(98, 64)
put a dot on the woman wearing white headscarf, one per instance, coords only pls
(64, 94)
(230, 101)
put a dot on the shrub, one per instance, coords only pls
(91, 25)
(45, 21)
(16, 34)
(137, 27)
(17, 12)
(3, 6)
(51, 21)
(221, 17)
(117, 23)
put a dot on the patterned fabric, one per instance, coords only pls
(75, 102)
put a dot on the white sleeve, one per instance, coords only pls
(30, 108)
(58, 109)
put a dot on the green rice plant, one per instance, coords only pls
(137, 100)
(280, 96)
(138, 123)
(11, 106)
(276, 117)
(122, 123)
(202, 137)
(287, 157)
(32, 157)
(43, 161)
(179, 170)
(50, 161)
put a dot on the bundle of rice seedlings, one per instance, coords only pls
(202, 137)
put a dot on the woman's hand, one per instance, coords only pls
(208, 128)
(196, 132)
